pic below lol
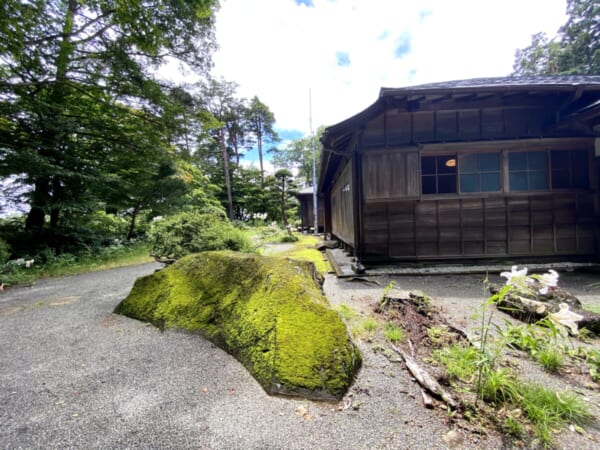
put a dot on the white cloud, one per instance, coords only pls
(279, 50)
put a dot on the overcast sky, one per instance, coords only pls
(344, 51)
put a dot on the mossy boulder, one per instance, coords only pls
(269, 312)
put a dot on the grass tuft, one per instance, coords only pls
(393, 332)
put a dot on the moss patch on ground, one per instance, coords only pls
(305, 249)
(269, 312)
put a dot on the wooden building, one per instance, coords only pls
(472, 169)
(306, 210)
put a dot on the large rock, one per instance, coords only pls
(269, 312)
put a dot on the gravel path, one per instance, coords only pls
(75, 375)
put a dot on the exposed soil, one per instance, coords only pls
(456, 304)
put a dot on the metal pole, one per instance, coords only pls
(314, 167)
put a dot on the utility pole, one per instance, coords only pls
(314, 167)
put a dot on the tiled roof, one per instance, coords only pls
(499, 82)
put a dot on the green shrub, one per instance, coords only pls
(189, 232)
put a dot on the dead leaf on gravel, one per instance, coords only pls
(302, 411)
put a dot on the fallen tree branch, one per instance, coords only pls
(425, 379)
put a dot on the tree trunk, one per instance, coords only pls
(283, 216)
(260, 155)
(41, 192)
(225, 157)
(44, 184)
(134, 214)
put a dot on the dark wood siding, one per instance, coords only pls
(388, 175)
(307, 211)
(527, 225)
(397, 128)
(342, 214)
(484, 172)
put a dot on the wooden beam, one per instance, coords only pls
(510, 144)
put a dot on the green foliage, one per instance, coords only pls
(50, 265)
(386, 291)
(261, 122)
(393, 332)
(546, 410)
(575, 50)
(288, 238)
(513, 426)
(84, 123)
(550, 358)
(298, 154)
(539, 340)
(267, 311)
(460, 361)
(549, 410)
(190, 232)
(592, 308)
(279, 200)
(499, 386)
(365, 329)
(439, 336)
(346, 311)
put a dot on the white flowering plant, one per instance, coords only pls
(531, 285)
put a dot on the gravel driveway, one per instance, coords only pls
(75, 375)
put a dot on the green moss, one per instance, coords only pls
(269, 312)
(305, 249)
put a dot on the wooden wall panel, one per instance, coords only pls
(481, 227)
(492, 123)
(398, 127)
(446, 125)
(390, 175)
(413, 177)
(342, 210)
(374, 133)
(515, 122)
(469, 127)
(423, 126)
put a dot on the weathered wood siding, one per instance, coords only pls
(342, 211)
(307, 219)
(390, 174)
(399, 222)
(525, 225)
(397, 128)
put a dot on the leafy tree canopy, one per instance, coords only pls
(575, 49)
(82, 116)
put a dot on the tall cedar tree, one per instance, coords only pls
(260, 124)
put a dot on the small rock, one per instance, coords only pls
(453, 439)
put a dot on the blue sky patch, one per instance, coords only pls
(402, 46)
(343, 59)
(289, 135)
(307, 3)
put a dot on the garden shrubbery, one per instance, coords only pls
(191, 232)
